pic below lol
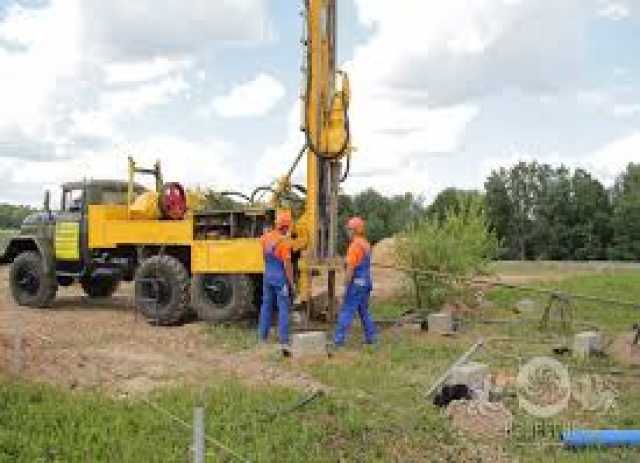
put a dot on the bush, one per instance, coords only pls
(458, 246)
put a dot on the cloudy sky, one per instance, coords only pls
(442, 91)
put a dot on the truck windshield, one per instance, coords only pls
(72, 200)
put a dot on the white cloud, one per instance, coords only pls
(129, 30)
(254, 98)
(140, 98)
(101, 121)
(450, 52)
(608, 162)
(610, 100)
(614, 11)
(626, 110)
(143, 71)
(73, 72)
(49, 53)
(25, 180)
(97, 124)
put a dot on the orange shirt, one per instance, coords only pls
(282, 247)
(358, 248)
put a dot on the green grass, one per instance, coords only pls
(376, 410)
(607, 316)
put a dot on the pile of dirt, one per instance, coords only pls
(387, 282)
(481, 419)
(384, 252)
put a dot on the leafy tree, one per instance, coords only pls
(385, 216)
(591, 221)
(453, 199)
(626, 215)
(511, 199)
(542, 212)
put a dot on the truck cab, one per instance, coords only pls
(51, 249)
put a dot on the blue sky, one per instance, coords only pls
(442, 91)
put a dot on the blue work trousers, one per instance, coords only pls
(274, 294)
(356, 299)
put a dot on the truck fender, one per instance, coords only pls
(20, 244)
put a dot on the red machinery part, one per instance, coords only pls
(173, 201)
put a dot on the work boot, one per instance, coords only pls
(333, 348)
(285, 349)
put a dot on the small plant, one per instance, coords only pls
(445, 252)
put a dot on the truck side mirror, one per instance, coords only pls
(47, 202)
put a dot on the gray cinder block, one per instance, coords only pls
(587, 343)
(527, 305)
(311, 343)
(440, 323)
(473, 375)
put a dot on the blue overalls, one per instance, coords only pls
(275, 288)
(356, 299)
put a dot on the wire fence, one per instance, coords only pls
(416, 274)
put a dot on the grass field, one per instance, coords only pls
(375, 411)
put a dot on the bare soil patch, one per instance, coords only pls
(81, 343)
(480, 419)
(623, 350)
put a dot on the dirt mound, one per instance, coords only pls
(486, 420)
(384, 252)
(387, 282)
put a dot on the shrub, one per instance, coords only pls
(456, 247)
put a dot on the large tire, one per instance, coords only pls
(166, 301)
(220, 298)
(31, 284)
(99, 287)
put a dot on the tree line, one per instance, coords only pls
(11, 216)
(554, 213)
(537, 211)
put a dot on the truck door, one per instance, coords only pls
(68, 231)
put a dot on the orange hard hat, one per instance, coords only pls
(283, 219)
(356, 224)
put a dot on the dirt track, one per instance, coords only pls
(81, 343)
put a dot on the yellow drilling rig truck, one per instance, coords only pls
(184, 259)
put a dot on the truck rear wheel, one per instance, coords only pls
(31, 284)
(162, 290)
(99, 287)
(222, 298)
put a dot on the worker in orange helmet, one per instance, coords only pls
(358, 285)
(277, 285)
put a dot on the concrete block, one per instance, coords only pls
(311, 343)
(527, 305)
(440, 323)
(587, 343)
(474, 375)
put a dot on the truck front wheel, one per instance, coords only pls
(162, 290)
(31, 284)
